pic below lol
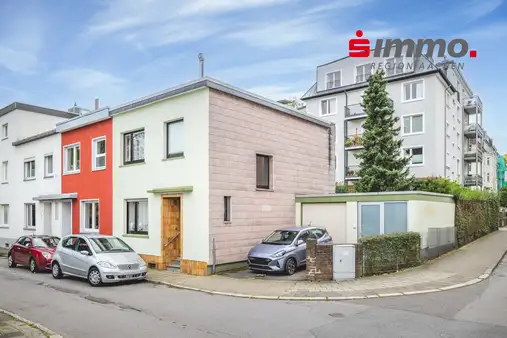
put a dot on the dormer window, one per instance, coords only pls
(333, 80)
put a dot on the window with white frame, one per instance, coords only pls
(487, 160)
(328, 107)
(363, 72)
(175, 137)
(4, 214)
(487, 177)
(29, 169)
(30, 215)
(5, 131)
(334, 79)
(133, 147)
(417, 155)
(90, 216)
(137, 216)
(99, 153)
(5, 171)
(413, 90)
(394, 66)
(48, 165)
(71, 158)
(413, 124)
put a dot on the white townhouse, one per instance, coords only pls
(30, 170)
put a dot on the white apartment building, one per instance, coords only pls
(440, 116)
(30, 170)
(489, 164)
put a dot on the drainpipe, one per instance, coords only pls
(445, 130)
(345, 154)
(214, 253)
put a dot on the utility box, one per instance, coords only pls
(344, 262)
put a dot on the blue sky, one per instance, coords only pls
(56, 52)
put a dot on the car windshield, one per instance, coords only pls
(281, 237)
(45, 242)
(109, 244)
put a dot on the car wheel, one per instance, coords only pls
(94, 277)
(32, 265)
(10, 261)
(56, 271)
(290, 266)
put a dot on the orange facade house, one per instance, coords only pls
(87, 170)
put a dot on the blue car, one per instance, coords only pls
(284, 250)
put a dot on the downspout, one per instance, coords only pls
(345, 154)
(445, 130)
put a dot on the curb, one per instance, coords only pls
(487, 273)
(45, 330)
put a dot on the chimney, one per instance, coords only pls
(96, 103)
(201, 64)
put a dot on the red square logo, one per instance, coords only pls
(473, 53)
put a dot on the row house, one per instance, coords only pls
(191, 177)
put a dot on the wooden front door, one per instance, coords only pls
(171, 229)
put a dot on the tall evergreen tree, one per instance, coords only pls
(383, 166)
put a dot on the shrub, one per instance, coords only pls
(340, 188)
(503, 197)
(390, 253)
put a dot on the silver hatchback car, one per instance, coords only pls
(98, 258)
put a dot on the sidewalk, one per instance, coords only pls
(15, 326)
(465, 266)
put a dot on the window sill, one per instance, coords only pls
(88, 231)
(99, 169)
(29, 228)
(4, 138)
(411, 134)
(4, 182)
(136, 236)
(71, 172)
(227, 222)
(131, 164)
(49, 176)
(4, 227)
(174, 158)
(416, 165)
(29, 179)
(327, 115)
(413, 100)
(262, 189)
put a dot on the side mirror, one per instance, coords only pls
(84, 253)
(300, 242)
(28, 245)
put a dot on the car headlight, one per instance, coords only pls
(107, 265)
(278, 254)
(142, 264)
(47, 255)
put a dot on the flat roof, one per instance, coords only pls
(35, 137)
(35, 109)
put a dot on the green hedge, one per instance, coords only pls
(390, 253)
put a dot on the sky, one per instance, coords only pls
(57, 52)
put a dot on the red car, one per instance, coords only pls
(34, 251)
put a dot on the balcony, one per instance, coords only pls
(353, 142)
(351, 173)
(354, 112)
(473, 130)
(473, 154)
(472, 105)
(473, 180)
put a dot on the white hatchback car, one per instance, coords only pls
(98, 258)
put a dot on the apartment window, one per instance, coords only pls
(487, 177)
(413, 91)
(48, 166)
(458, 167)
(99, 153)
(333, 80)
(90, 216)
(363, 72)
(263, 169)
(30, 215)
(29, 169)
(175, 139)
(458, 91)
(5, 131)
(4, 214)
(133, 147)
(328, 107)
(72, 158)
(394, 66)
(417, 155)
(458, 139)
(487, 160)
(227, 208)
(137, 217)
(5, 171)
(413, 124)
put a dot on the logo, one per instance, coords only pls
(456, 48)
(129, 266)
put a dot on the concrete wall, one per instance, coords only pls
(134, 181)
(332, 216)
(302, 163)
(423, 215)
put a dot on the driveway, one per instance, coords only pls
(248, 274)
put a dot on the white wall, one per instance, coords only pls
(424, 214)
(131, 182)
(332, 216)
(352, 222)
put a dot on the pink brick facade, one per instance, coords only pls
(303, 163)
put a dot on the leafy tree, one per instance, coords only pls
(503, 197)
(383, 167)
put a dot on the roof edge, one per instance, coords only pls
(35, 109)
(35, 137)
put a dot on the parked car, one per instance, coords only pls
(98, 258)
(34, 251)
(284, 250)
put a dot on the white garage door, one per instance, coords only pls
(331, 216)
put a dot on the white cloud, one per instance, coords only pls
(476, 9)
(337, 5)
(494, 31)
(277, 92)
(217, 6)
(83, 78)
(18, 61)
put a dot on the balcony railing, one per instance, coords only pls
(472, 105)
(354, 111)
(472, 155)
(353, 141)
(351, 172)
(332, 84)
(362, 78)
(473, 180)
(473, 129)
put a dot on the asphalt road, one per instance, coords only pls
(74, 309)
